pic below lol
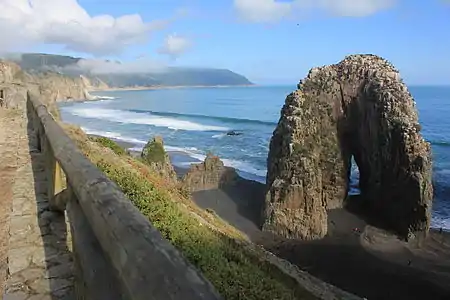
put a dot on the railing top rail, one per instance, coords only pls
(148, 266)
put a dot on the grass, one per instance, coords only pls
(108, 143)
(205, 240)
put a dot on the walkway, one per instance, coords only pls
(39, 262)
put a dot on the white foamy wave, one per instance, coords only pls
(236, 164)
(113, 135)
(181, 149)
(120, 116)
(136, 149)
(99, 97)
(440, 222)
(218, 136)
(244, 167)
(442, 172)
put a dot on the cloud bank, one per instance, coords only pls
(265, 11)
(65, 22)
(98, 66)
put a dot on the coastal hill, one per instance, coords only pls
(171, 76)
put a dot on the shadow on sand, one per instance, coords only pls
(52, 225)
(238, 204)
(341, 258)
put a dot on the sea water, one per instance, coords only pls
(196, 120)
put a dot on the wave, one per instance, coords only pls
(102, 98)
(218, 136)
(205, 117)
(113, 135)
(440, 222)
(99, 97)
(197, 156)
(127, 117)
(440, 143)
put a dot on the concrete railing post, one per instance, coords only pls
(55, 181)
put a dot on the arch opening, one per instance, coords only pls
(353, 179)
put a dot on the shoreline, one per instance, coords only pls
(377, 264)
(179, 160)
(164, 87)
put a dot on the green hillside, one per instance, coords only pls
(173, 76)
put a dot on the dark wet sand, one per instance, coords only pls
(356, 257)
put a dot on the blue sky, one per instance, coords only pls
(281, 47)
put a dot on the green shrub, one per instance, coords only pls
(108, 143)
(235, 272)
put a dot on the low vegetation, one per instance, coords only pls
(108, 143)
(208, 242)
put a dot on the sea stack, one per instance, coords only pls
(359, 107)
(208, 175)
(154, 155)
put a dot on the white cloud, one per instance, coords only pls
(65, 22)
(175, 45)
(98, 66)
(264, 11)
(356, 8)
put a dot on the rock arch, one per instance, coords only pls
(357, 107)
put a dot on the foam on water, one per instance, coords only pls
(126, 117)
(197, 155)
(113, 135)
(440, 222)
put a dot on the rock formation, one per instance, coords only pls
(210, 174)
(359, 107)
(154, 155)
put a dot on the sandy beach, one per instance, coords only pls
(355, 256)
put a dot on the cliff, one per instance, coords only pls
(53, 87)
(361, 108)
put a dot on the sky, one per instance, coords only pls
(266, 40)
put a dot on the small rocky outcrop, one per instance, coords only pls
(154, 155)
(359, 107)
(208, 175)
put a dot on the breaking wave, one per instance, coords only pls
(128, 117)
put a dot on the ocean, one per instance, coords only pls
(196, 120)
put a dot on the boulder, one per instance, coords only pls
(359, 107)
(154, 155)
(210, 174)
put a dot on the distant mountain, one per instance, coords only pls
(173, 76)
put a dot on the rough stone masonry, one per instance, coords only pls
(359, 107)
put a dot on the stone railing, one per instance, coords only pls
(118, 253)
